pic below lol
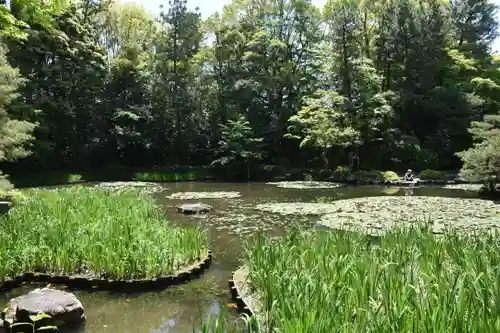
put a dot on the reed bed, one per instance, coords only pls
(409, 281)
(95, 233)
(167, 176)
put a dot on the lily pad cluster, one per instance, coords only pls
(203, 195)
(376, 215)
(305, 185)
(148, 187)
(464, 187)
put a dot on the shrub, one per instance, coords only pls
(390, 176)
(432, 174)
(342, 173)
(369, 175)
(325, 174)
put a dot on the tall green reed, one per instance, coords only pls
(93, 231)
(410, 281)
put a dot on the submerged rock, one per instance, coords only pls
(63, 307)
(375, 215)
(197, 208)
(305, 184)
(204, 195)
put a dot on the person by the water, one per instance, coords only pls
(409, 177)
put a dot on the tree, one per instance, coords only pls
(14, 133)
(482, 161)
(239, 143)
(13, 20)
(322, 123)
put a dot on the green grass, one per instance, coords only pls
(411, 281)
(83, 230)
(166, 176)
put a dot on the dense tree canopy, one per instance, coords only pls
(397, 81)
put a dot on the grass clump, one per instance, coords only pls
(158, 176)
(97, 233)
(411, 281)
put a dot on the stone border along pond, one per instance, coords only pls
(184, 275)
(204, 195)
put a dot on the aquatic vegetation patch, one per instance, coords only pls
(305, 184)
(464, 187)
(204, 195)
(376, 215)
(410, 281)
(95, 233)
(148, 187)
(298, 208)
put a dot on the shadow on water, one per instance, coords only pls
(178, 309)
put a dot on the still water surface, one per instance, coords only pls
(179, 309)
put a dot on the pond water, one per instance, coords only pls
(178, 309)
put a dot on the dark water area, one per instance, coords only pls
(234, 221)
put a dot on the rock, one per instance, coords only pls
(63, 307)
(5, 207)
(197, 208)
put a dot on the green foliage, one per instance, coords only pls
(397, 82)
(15, 196)
(167, 176)
(34, 326)
(118, 235)
(411, 280)
(369, 175)
(239, 143)
(429, 174)
(482, 161)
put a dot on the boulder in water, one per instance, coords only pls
(63, 307)
(197, 208)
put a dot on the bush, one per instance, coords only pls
(370, 175)
(325, 174)
(390, 176)
(429, 174)
(342, 173)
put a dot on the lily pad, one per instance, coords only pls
(305, 184)
(203, 195)
(375, 215)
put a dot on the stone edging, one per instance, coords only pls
(246, 301)
(188, 273)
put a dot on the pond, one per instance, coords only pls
(178, 309)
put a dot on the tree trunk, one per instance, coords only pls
(324, 156)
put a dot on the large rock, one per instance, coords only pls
(63, 307)
(197, 208)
